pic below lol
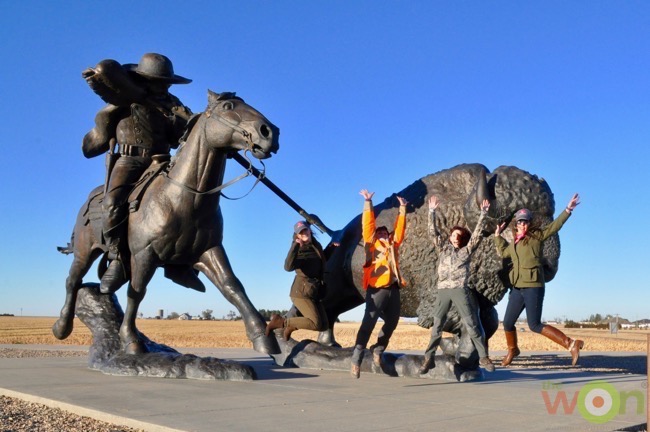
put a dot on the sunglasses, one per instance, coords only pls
(522, 222)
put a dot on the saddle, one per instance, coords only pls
(94, 211)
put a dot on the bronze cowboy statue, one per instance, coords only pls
(141, 123)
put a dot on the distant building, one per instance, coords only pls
(185, 316)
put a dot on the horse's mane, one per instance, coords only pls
(193, 120)
(228, 96)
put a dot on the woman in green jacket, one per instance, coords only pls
(527, 279)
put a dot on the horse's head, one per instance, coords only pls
(233, 123)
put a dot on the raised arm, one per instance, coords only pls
(290, 260)
(368, 217)
(476, 235)
(500, 243)
(557, 224)
(400, 223)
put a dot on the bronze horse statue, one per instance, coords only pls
(179, 224)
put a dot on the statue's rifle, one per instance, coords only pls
(111, 158)
(312, 219)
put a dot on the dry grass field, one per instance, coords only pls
(231, 334)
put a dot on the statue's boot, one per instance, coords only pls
(113, 278)
(115, 275)
(276, 322)
(513, 349)
(573, 345)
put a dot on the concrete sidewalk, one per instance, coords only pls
(318, 400)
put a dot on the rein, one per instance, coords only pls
(249, 171)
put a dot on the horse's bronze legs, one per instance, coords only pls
(142, 270)
(215, 265)
(83, 260)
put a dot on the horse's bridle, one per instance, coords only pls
(249, 148)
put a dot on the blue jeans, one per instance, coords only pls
(529, 298)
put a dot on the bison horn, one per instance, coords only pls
(482, 192)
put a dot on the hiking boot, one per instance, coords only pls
(429, 363)
(377, 359)
(355, 371)
(486, 364)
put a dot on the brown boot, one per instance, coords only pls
(513, 349)
(276, 322)
(574, 346)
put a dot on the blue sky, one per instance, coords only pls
(560, 89)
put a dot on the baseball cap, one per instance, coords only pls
(299, 226)
(523, 214)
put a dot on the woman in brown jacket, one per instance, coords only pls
(307, 259)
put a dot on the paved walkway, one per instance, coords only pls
(322, 400)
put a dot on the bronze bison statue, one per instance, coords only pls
(459, 189)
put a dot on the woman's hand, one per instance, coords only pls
(433, 202)
(485, 206)
(499, 230)
(366, 195)
(573, 203)
(402, 201)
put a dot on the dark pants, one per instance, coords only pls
(468, 311)
(381, 303)
(529, 298)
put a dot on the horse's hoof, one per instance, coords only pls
(134, 348)
(61, 329)
(266, 345)
(326, 338)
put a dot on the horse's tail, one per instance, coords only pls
(67, 250)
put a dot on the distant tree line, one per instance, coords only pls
(573, 324)
(266, 314)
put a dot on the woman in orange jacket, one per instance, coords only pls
(381, 280)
